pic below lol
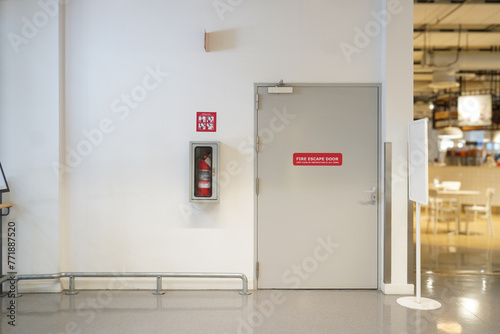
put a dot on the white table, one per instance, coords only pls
(458, 194)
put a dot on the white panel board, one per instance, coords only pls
(418, 168)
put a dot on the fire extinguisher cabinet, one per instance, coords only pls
(204, 171)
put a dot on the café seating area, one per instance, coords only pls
(445, 206)
(457, 236)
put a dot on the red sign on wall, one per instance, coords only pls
(317, 159)
(206, 121)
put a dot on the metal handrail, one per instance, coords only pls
(158, 275)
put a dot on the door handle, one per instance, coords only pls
(373, 192)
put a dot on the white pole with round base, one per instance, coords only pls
(417, 302)
(418, 177)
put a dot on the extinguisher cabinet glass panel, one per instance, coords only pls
(204, 175)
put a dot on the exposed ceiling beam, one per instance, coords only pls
(492, 48)
(455, 2)
(495, 29)
(439, 19)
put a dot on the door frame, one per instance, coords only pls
(380, 175)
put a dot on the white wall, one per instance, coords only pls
(127, 192)
(29, 135)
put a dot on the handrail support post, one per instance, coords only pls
(71, 291)
(159, 288)
(244, 290)
(16, 289)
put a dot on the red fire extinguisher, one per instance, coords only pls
(204, 177)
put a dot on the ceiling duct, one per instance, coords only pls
(445, 64)
(464, 60)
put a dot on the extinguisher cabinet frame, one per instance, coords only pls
(198, 151)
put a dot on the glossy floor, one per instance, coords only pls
(470, 304)
(446, 251)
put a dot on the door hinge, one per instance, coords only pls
(257, 185)
(257, 144)
(257, 269)
(257, 101)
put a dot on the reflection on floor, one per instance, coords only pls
(470, 304)
(446, 251)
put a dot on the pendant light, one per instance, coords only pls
(450, 132)
(444, 79)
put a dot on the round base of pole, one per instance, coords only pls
(69, 293)
(158, 293)
(425, 303)
(244, 293)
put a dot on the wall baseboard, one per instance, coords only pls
(47, 286)
(398, 289)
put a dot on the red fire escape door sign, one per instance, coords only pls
(317, 159)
